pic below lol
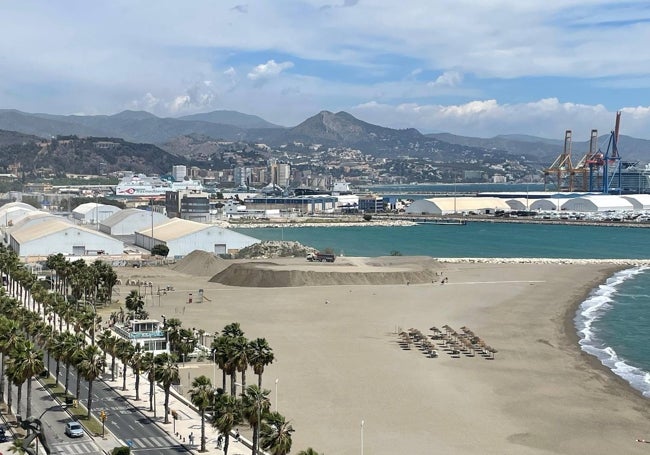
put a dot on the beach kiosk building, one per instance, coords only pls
(148, 333)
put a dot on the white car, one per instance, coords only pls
(74, 430)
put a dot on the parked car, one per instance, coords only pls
(3, 435)
(74, 430)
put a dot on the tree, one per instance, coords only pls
(255, 405)
(260, 355)
(167, 374)
(124, 351)
(308, 451)
(227, 414)
(136, 362)
(201, 395)
(30, 364)
(276, 434)
(160, 249)
(91, 367)
(134, 302)
(239, 351)
(149, 367)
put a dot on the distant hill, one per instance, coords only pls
(12, 137)
(234, 118)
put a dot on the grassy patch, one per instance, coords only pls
(80, 413)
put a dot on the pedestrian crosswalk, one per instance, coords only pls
(151, 442)
(75, 448)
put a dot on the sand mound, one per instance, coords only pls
(261, 275)
(199, 263)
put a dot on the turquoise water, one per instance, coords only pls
(472, 240)
(613, 323)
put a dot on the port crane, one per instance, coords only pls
(561, 173)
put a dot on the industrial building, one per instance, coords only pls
(638, 201)
(450, 205)
(59, 236)
(93, 213)
(13, 212)
(597, 203)
(188, 204)
(184, 236)
(129, 221)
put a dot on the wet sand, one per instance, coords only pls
(339, 363)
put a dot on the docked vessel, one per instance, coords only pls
(635, 178)
(140, 185)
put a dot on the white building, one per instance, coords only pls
(597, 203)
(59, 236)
(93, 213)
(184, 236)
(14, 212)
(179, 172)
(638, 201)
(148, 333)
(546, 205)
(449, 205)
(129, 221)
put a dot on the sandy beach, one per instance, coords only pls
(339, 362)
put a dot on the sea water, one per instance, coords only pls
(613, 323)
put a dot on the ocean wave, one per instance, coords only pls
(597, 304)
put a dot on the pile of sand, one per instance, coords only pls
(263, 275)
(199, 263)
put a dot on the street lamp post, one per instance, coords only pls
(214, 367)
(362, 437)
(276, 394)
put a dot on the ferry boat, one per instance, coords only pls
(140, 185)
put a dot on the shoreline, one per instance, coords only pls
(540, 395)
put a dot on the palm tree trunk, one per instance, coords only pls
(243, 381)
(124, 377)
(151, 392)
(67, 377)
(58, 370)
(259, 381)
(137, 386)
(78, 390)
(90, 397)
(9, 397)
(223, 380)
(255, 438)
(166, 404)
(2, 379)
(202, 430)
(19, 396)
(29, 397)
(233, 380)
(112, 367)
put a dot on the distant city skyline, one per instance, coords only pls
(467, 67)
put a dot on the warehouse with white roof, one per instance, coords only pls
(13, 212)
(184, 236)
(93, 213)
(449, 205)
(59, 236)
(597, 203)
(129, 221)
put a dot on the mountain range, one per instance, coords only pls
(326, 128)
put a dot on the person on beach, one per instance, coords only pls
(643, 440)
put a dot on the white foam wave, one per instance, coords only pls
(598, 303)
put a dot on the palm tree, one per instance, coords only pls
(136, 362)
(239, 357)
(30, 364)
(276, 434)
(14, 374)
(57, 349)
(149, 367)
(308, 451)
(91, 367)
(221, 354)
(173, 327)
(259, 357)
(9, 336)
(256, 404)
(124, 351)
(167, 374)
(134, 302)
(201, 395)
(227, 415)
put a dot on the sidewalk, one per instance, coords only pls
(188, 421)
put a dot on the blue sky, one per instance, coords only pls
(475, 68)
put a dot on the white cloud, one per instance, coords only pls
(447, 79)
(268, 70)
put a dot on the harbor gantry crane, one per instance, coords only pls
(560, 175)
(588, 168)
(612, 162)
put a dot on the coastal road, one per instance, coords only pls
(53, 418)
(125, 421)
